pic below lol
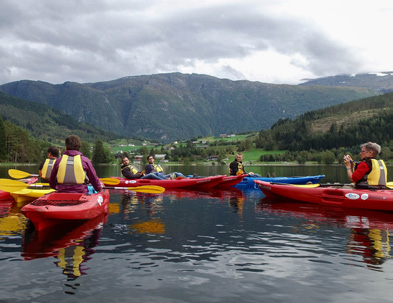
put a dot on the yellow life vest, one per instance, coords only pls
(240, 168)
(158, 168)
(132, 169)
(71, 170)
(377, 176)
(47, 168)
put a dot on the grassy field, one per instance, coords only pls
(254, 154)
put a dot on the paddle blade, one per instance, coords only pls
(12, 185)
(151, 189)
(110, 181)
(18, 174)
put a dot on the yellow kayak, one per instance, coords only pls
(29, 194)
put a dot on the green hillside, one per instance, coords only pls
(169, 107)
(46, 123)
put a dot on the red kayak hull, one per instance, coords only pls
(56, 208)
(229, 181)
(5, 195)
(332, 196)
(193, 183)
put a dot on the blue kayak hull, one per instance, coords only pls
(248, 182)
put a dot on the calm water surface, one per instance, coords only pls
(211, 246)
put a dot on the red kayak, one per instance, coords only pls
(331, 195)
(5, 195)
(190, 183)
(229, 181)
(56, 208)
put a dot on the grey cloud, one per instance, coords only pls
(95, 40)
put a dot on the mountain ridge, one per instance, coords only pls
(175, 106)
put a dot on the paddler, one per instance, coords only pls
(73, 171)
(369, 173)
(157, 170)
(46, 166)
(129, 171)
(236, 167)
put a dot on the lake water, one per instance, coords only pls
(210, 246)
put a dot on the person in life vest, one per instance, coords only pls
(369, 173)
(46, 166)
(236, 167)
(73, 171)
(158, 171)
(129, 171)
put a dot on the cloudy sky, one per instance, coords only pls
(274, 41)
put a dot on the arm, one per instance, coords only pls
(129, 175)
(357, 175)
(53, 175)
(233, 168)
(148, 169)
(91, 174)
(40, 168)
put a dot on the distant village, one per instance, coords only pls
(137, 159)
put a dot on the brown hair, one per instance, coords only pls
(73, 142)
(54, 151)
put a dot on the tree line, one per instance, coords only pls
(18, 146)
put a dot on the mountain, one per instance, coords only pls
(175, 106)
(47, 123)
(382, 82)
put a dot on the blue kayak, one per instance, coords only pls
(248, 182)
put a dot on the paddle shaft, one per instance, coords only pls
(143, 188)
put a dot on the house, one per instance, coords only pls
(138, 159)
(160, 157)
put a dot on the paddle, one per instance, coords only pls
(14, 185)
(19, 174)
(152, 189)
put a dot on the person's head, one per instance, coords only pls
(239, 157)
(73, 142)
(150, 159)
(369, 150)
(53, 151)
(125, 161)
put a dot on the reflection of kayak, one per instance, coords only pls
(194, 183)
(248, 182)
(47, 242)
(336, 216)
(208, 193)
(56, 207)
(333, 196)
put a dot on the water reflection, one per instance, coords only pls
(211, 246)
(72, 244)
(368, 230)
(12, 222)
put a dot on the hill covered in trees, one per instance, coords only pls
(169, 107)
(339, 128)
(47, 123)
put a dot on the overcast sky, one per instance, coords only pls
(274, 41)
